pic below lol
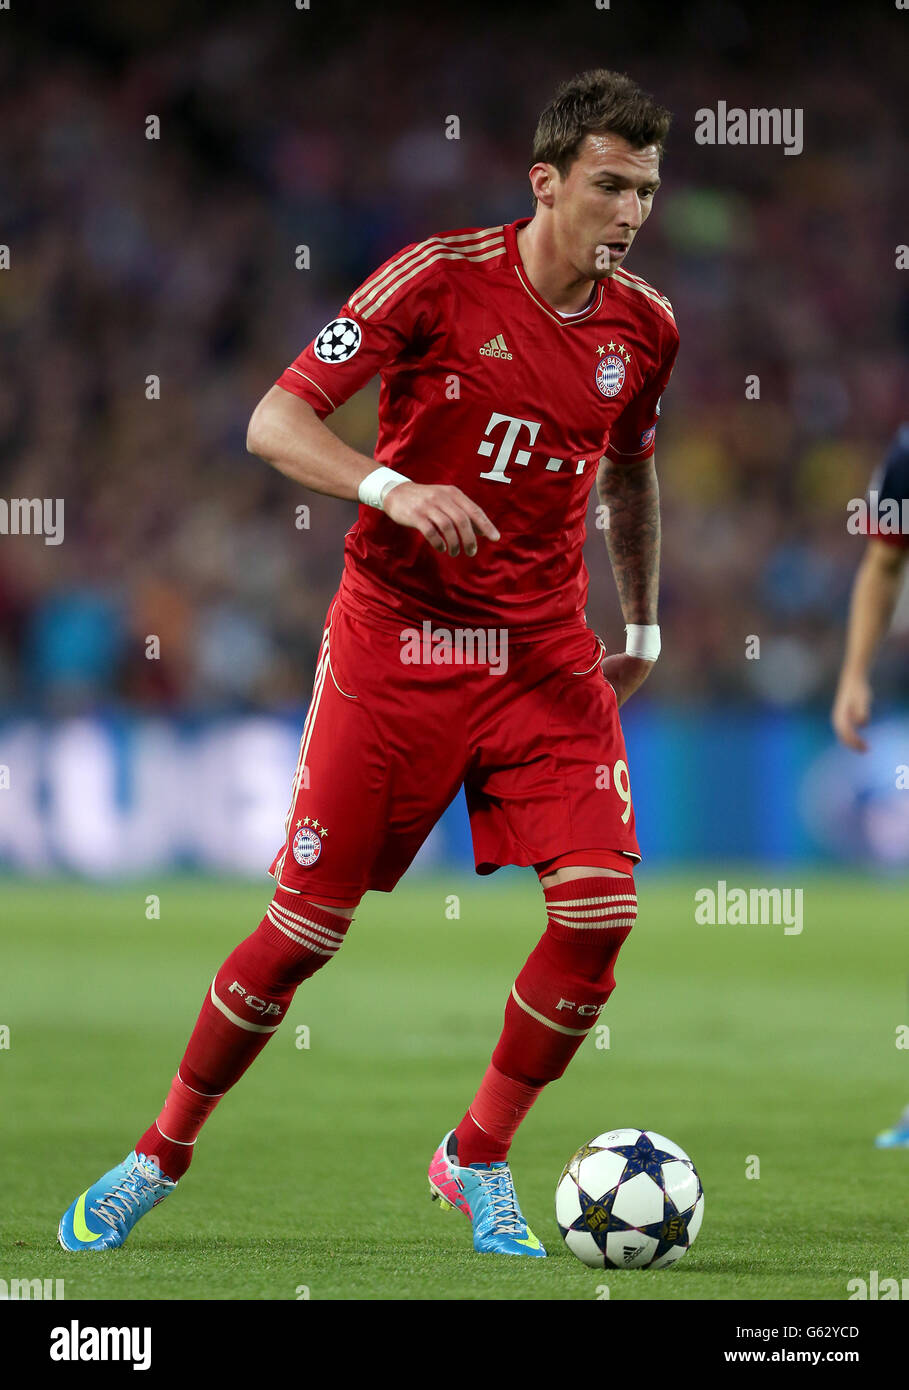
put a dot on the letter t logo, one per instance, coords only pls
(503, 457)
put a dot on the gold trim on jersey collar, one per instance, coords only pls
(551, 313)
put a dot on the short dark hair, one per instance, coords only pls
(593, 103)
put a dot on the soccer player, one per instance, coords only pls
(874, 597)
(519, 363)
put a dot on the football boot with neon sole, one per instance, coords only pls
(485, 1193)
(104, 1215)
(898, 1136)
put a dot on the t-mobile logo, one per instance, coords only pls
(513, 428)
(503, 457)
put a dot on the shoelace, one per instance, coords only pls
(125, 1196)
(503, 1202)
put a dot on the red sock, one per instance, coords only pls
(248, 999)
(185, 1111)
(486, 1131)
(554, 1003)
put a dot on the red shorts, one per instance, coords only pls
(387, 745)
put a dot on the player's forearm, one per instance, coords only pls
(874, 596)
(632, 494)
(287, 433)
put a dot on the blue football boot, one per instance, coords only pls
(104, 1215)
(485, 1193)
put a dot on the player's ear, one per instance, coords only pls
(541, 181)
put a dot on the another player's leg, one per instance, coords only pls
(244, 1007)
(555, 1001)
(898, 1136)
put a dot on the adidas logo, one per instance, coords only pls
(495, 348)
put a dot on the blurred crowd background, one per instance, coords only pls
(279, 127)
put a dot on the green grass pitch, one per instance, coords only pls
(735, 1041)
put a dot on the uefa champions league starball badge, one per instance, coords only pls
(307, 843)
(338, 341)
(610, 373)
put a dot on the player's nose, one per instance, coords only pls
(629, 212)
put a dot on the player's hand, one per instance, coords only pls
(851, 711)
(625, 674)
(442, 513)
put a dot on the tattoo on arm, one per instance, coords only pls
(632, 494)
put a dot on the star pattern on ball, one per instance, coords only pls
(643, 1157)
(672, 1229)
(574, 1163)
(597, 1217)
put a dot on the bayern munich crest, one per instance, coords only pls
(610, 374)
(307, 843)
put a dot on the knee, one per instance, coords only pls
(592, 909)
(588, 923)
(295, 939)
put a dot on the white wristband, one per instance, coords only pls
(377, 484)
(642, 640)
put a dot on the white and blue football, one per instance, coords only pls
(630, 1199)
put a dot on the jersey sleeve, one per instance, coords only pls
(891, 483)
(385, 322)
(633, 435)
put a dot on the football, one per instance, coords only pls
(630, 1199)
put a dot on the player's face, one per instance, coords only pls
(603, 201)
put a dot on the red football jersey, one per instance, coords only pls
(486, 386)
